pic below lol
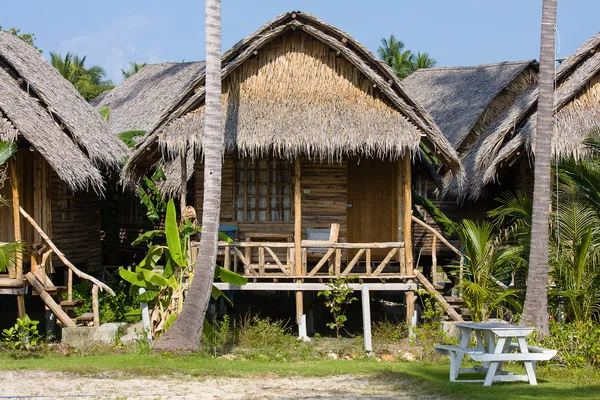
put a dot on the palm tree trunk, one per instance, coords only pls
(186, 333)
(535, 311)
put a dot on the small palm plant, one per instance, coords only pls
(488, 268)
(7, 250)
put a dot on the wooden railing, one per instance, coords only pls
(438, 236)
(40, 281)
(253, 257)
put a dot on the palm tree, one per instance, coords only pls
(423, 60)
(403, 62)
(134, 68)
(186, 333)
(89, 82)
(535, 310)
(488, 270)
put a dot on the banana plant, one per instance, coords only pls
(165, 273)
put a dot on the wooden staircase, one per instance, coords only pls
(53, 296)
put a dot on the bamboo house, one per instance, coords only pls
(55, 180)
(320, 139)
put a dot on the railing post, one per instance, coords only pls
(434, 260)
(95, 306)
(70, 285)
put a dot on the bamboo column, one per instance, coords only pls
(182, 199)
(407, 228)
(18, 272)
(298, 236)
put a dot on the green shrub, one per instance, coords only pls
(23, 335)
(112, 309)
(254, 331)
(386, 331)
(219, 339)
(577, 343)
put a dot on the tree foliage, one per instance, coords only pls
(28, 38)
(134, 68)
(403, 62)
(89, 82)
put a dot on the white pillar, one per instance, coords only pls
(146, 317)
(302, 335)
(366, 313)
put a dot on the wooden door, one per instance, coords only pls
(372, 213)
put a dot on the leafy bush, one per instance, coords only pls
(386, 331)
(254, 331)
(23, 335)
(112, 309)
(338, 296)
(577, 343)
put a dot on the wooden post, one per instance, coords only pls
(298, 235)
(407, 228)
(400, 212)
(434, 260)
(95, 306)
(182, 198)
(70, 284)
(18, 270)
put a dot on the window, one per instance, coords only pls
(65, 201)
(262, 190)
(130, 210)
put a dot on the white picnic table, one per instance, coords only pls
(494, 347)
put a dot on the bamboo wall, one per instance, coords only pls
(77, 237)
(323, 198)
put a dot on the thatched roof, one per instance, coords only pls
(144, 100)
(456, 97)
(576, 110)
(46, 110)
(359, 106)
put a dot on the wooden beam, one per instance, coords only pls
(298, 234)
(183, 195)
(62, 257)
(407, 206)
(333, 245)
(54, 307)
(17, 271)
(313, 287)
(400, 213)
(366, 314)
(431, 289)
(437, 234)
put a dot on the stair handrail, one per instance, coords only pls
(61, 256)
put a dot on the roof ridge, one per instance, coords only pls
(468, 67)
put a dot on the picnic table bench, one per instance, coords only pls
(494, 347)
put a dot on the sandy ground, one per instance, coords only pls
(50, 385)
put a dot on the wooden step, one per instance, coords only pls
(71, 304)
(85, 317)
(56, 289)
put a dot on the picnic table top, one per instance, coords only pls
(489, 326)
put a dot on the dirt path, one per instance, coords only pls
(40, 384)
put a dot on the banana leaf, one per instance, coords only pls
(172, 234)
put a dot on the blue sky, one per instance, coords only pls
(455, 32)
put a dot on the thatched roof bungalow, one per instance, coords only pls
(467, 104)
(63, 147)
(508, 141)
(318, 132)
(576, 110)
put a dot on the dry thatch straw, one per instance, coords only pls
(477, 107)
(350, 90)
(576, 109)
(462, 99)
(144, 100)
(37, 103)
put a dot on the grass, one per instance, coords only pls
(554, 382)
